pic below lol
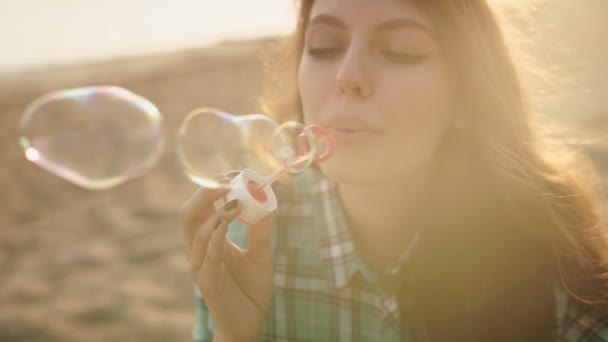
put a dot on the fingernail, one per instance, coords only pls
(231, 174)
(231, 205)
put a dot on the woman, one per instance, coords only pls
(437, 218)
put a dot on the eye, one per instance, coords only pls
(404, 58)
(324, 52)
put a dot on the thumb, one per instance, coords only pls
(260, 249)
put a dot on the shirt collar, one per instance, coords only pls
(337, 248)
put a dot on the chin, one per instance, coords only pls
(373, 171)
(349, 172)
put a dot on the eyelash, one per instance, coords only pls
(395, 57)
(324, 53)
(404, 58)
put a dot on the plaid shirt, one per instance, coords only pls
(323, 291)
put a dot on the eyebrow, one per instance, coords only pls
(389, 25)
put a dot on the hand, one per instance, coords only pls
(236, 284)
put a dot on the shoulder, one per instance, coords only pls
(580, 324)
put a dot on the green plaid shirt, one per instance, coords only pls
(323, 291)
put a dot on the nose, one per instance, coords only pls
(351, 79)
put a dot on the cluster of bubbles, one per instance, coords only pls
(100, 137)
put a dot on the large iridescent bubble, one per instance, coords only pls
(94, 137)
(212, 144)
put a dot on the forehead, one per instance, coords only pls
(362, 13)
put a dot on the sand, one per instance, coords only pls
(108, 265)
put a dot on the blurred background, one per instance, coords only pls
(109, 265)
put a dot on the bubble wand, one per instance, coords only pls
(254, 191)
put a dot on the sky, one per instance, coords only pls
(34, 33)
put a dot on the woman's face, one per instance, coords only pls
(372, 72)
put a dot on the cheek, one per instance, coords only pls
(316, 84)
(420, 113)
(418, 99)
(309, 84)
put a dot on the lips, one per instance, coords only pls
(351, 125)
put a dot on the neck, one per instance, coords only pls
(378, 216)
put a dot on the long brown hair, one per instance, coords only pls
(503, 226)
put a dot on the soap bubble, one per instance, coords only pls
(94, 137)
(212, 143)
(292, 148)
(213, 146)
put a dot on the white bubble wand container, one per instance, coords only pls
(253, 190)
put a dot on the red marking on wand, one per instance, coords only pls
(257, 191)
(271, 179)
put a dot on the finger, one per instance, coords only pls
(198, 249)
(210, 271)
(226, 176)
(200, 242)
(233, 257)
(221, 180)
(231, 174)
(260, 249)
(199, 207)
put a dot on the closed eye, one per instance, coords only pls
(328, 52)
(404, 58)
